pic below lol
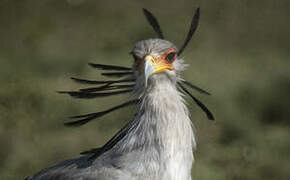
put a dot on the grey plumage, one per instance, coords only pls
(158, 143)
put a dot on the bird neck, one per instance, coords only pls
(160, 139)
(165, 119)
(162, 131)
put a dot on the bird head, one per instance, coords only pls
(157, 57)
(153, 57)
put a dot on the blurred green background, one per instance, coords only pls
(240, 53)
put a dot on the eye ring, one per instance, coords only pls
(171, 56)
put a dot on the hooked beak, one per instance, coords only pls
(153, 65)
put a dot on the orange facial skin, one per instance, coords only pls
(162, 63)
(164, 56)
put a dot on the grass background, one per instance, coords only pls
(240, 53)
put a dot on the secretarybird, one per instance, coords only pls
(158, 143)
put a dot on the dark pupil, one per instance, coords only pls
(170, 56)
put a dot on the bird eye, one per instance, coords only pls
(171, 56)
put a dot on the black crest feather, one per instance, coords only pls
(192, 29)
(109, 67)
(113, 141)
(86, 81)
(153, 22)
(198, 102)
(108, 87)
(117, 74)
(192, 86)
(83, 119)
(89, 95)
